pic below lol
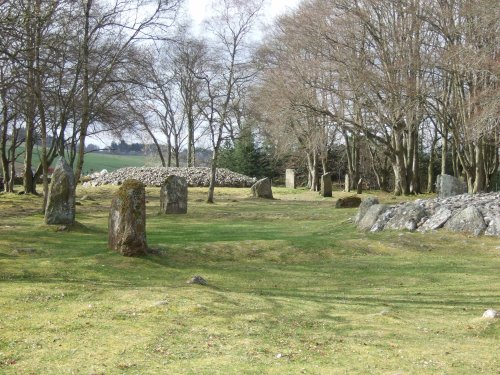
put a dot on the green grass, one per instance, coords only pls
(98, 161)
(293, 288)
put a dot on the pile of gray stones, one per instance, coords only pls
(474, 214)
(155, 176)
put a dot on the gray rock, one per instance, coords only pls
(469, 220)
(371, 216)
(262, 189)
(406, 217)
(290, 179)
(493, 226)
(364, 206)
(127, 220)
(174, 195)
(60, 207)
(437, 220)
(382, 220)
(448, 186)
(326, 185)
(491, 314)
(155, 176)
(197, 280)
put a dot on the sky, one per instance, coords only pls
(198, 9)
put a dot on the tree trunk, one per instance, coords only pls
(213, 172)
(85, 92)
(480, 175)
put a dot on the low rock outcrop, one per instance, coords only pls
(156, 176)
(348, 202)
(473, 214)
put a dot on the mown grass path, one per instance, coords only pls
(293, 288)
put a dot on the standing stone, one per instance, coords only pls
(290, 179)
(262, 189)
(448, 186)
(359, 189)
(60, 207)
(326, 185)
(127, 220)
(174, 195)
(347, 183)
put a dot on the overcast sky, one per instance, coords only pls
(198, 9)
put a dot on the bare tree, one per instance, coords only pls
(227, 67)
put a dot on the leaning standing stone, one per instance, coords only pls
(173, 195)
(127, 220)
(61, 200)
(262, 189)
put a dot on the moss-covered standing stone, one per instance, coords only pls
(60, 207)
(127, 220)
(174, 195)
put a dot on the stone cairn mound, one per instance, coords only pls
(471, 214)
(156, 176)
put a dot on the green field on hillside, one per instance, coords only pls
(293, 288)
(96, 161)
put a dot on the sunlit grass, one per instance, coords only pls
(293, 288)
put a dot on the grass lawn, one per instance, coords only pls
(293, 288)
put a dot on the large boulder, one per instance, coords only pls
(448, 186)
(326, 185)
(364, 206)
(469, 220)
(348, 202)
(60, 207)
(371, 216)
(493, 227)
(437, 220)
(262, 189)
(127, 220)
(174, 195)
(406, 217)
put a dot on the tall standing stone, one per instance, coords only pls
(448, 186)
(262, 189)
(347, 183)
(127, 220)
(326, 185)
(174, 195)
(60, 207)
(290, 179)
